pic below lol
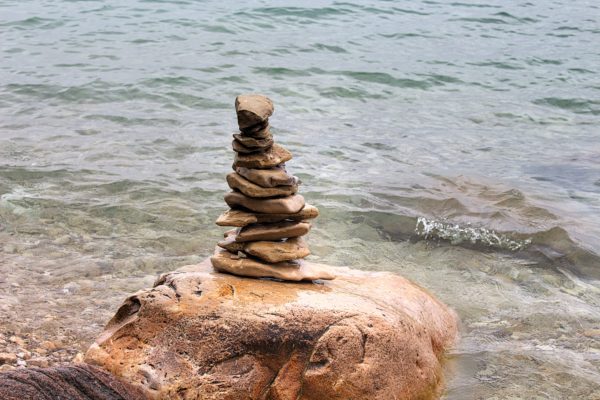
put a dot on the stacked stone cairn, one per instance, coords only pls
(269, 216)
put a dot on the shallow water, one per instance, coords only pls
(456, 143)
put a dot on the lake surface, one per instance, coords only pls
(455, 142)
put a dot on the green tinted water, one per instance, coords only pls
(455, 143)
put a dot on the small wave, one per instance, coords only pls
(331, 48)
(457, 234)
(302, 12)
(481, 20)
(280, 71)
(387, 79)
(496, 64)
(34, 22)
(578, 106)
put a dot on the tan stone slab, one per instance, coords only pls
(252, 109)
(274, 231)
(242, 218)
(238, 182)
(271, 177)
(274, 252)
(284, 205)
(225, 261)
(254, 143)
(272, 157)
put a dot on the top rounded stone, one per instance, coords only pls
(252, 109)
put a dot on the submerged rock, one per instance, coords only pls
(199, 334)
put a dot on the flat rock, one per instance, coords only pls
(250, 189)
(240, 148)
(274, 252)
(242, 218)
(284, 205)
(270, 251)
(200, 334)
(252, 109)
(271, 157)
(254, 143)
(271, 177)
(258, 131)
(273, 231)
(230, 244)
(300, 270)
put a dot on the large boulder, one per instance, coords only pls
(202, 334)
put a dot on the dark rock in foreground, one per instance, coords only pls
(202, 334)
(72, 382)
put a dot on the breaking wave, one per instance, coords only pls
(457, 234)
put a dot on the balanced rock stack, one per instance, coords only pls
(269, 216)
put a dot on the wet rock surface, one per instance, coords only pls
(202, 334)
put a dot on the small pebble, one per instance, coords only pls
(41, 362)
(78, 358)
(19, 341)
(49, 345)
(8, 358)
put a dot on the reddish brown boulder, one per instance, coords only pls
(202, 334)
